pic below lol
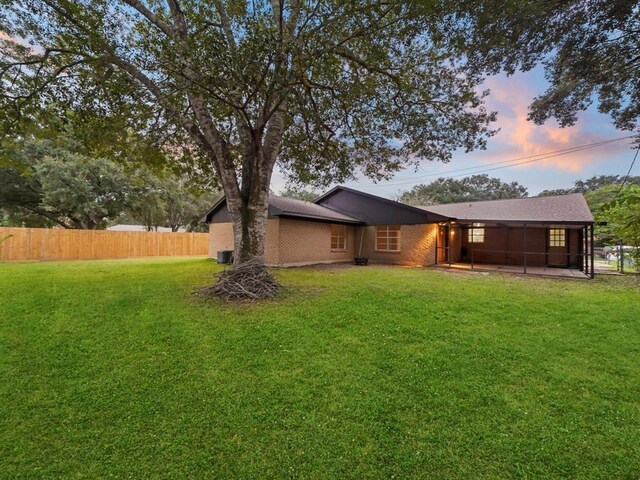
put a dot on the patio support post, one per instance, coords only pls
(450, 243)
(591, 253)
(472, 244)
(583, 253)
(524, 253)
(437, 235)
(586, 249)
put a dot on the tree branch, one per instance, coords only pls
(152, 17)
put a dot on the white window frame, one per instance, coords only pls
(476, 233)
(557, 237)
(383, 232)
(338, 237)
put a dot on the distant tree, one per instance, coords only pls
(44, 184)
(165, 199)
(622, 217)
(598, 181)
(186, 205)
(450, 190)
(87, 193)
(147, 204)
(591, 184)
(555, 192)
(301, 194)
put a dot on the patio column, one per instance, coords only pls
(587, 269)
(450, 243)
(585, 248)
(525, 248)
(591, 252)
(437, 235)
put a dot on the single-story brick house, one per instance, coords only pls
(343, 223)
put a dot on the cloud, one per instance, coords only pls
(5, 37)
(518, 137)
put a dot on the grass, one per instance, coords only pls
(113, 369)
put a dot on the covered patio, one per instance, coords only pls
(540, 235)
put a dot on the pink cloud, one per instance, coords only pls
(8, 39)
(518, 137)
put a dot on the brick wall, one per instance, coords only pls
(221, 238)
(288, 242)
(512, 240)
(303, 242)
(299, 242)
(417, 245)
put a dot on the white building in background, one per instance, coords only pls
(139, 228)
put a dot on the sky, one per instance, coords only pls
(510, 97)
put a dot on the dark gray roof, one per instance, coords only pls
(284, 206)
(556, 209)
(374, 210)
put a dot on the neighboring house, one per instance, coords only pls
(343, 223)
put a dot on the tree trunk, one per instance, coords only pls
(250, 228)
(248, 206)
(249, 278)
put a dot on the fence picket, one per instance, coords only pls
(42, 244)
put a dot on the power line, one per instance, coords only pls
(567, 150)
(506, 163)
(626, 177)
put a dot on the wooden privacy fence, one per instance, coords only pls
(62, 244)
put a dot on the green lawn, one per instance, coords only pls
(113, 369)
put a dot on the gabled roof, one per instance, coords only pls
(291, 207)
(322, 198)
(570, 208)
(284, 206)
(374, 210)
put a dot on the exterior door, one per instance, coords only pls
(557, 247)
(443, 243)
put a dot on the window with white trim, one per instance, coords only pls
(388, 238)
(557, 237)
(338, 237)
(476, 233)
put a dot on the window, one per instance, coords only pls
(557, 237)
(476, 233)
(388, 238)
(338, 237)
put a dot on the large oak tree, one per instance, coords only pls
(328, 89)
(590, 52)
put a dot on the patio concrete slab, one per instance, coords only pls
(516, 269)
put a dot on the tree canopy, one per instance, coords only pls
(62, 187)
(622, 216)
(44, 184)
(451, 190)
(327, 89)
(613, 200)
(592, 184)
(590, 52)
(300, 194)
